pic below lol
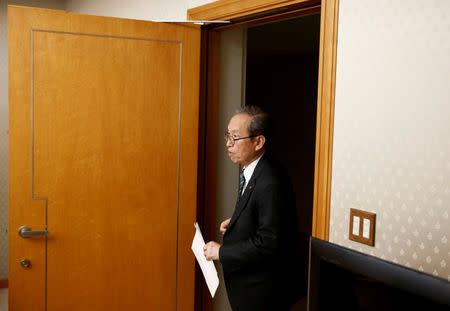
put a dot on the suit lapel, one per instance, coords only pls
(242, 203)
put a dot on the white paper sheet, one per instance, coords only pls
(208, 267)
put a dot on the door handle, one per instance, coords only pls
(26, 232)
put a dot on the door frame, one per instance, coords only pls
(245, 12)
(242, 13)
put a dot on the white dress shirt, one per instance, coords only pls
(248, 171)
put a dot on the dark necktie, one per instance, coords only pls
(241, 184)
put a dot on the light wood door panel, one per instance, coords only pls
(103, 154)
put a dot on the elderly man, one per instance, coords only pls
(259, 240)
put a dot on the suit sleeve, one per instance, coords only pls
(263, 245)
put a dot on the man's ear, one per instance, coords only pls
(260, 141)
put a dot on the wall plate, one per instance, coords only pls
(362, 227)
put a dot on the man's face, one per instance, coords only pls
(242, 151)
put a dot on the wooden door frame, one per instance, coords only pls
(236, 10)
(244, 13)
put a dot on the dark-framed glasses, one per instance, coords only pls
(232, 140)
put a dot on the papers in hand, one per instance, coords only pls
(208, 268)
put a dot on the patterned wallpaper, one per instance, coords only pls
(391, 152)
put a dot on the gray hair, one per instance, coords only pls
(260, 123)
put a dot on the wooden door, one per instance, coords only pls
(103, 155)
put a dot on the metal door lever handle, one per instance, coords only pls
(26, 232)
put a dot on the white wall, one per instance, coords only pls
(232, 59)
(135, 9)
(391, 152)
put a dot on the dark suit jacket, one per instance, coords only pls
(258, 246)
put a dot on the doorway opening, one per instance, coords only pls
(274, 66)
(281, 77)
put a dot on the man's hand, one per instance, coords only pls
(211, 250)
(224, 225)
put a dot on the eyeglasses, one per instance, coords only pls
(232, 140)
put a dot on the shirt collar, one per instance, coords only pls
(249, 169)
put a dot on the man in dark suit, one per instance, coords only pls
(259, 240)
